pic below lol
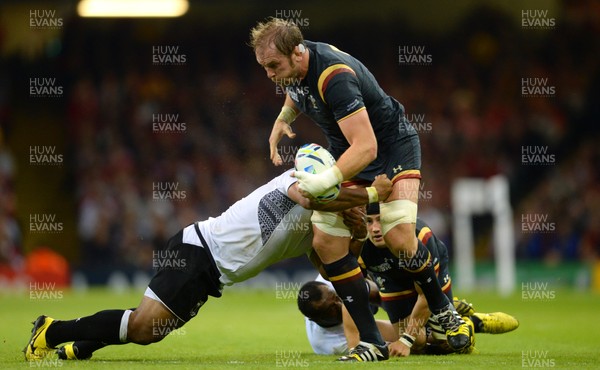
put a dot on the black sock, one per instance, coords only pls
(350, 285)
(420, 266)
(103, 327)
(84, 348)
(478, 324)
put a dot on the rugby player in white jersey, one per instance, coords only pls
(269, 225)
(331, 331)
(328, 316)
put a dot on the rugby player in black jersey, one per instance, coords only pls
(368, 134)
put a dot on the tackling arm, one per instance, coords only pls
(348, 197)
(413, 326)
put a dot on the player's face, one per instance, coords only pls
(280, 68)
(374, 229)
(330, 308)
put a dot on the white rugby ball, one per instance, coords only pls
(313, 158)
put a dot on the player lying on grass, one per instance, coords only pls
(270, 224)
(400, 297)
(328, 319)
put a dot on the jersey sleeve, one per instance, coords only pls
(425, 235)
(339, 88)
(285, 180)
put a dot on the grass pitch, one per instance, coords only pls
(260, 330)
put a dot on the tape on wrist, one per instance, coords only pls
(361, 239)
(339, 176)
(287, 114)
(407, 339)
(372, 193)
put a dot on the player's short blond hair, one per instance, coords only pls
(285, 35)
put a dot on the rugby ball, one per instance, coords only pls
(313, 158)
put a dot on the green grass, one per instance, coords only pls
(253, 329)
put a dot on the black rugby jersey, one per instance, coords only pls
(384, 266)
(337, 86)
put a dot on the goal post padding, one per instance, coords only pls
(472, 196)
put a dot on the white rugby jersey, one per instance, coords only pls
(257, 231)
(326, 341)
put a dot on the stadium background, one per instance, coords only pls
(94, 201)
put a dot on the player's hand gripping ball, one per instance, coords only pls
(315, 159)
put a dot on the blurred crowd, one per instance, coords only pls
(474, 123)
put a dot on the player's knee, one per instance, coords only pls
(401, 241)
(398, 220)
(328, 226)
(320, 241)
(143, 330)
(397, 212)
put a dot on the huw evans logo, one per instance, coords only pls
(167, 123)
(534, 87)
(290, 85)
(41, 155)
(289, 291)
(415, 190)
(168, 55)
(44, 87)
(288, 153)
(45, 223)
(291, 222)
(536, 359)
(419, 122)
(166, 190)
(537, 155)
(44, 291)
(44, 19)
(537, 291)
(532, 223)
(290, 359)
(168, 260)
(163, 327)
(293, 16)
(537, 19)
(413, 55)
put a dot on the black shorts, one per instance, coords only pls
(398, 159)
(186, 276)
(398, 297)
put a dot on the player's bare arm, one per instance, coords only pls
(413, 326)
(282, 127)
(359, 133)
(348, 197)
(281, 69)
(354, 218)
(357, 130)
(374, 296)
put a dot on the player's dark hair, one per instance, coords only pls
(285, 35)
(308, 295)
(373, 209)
